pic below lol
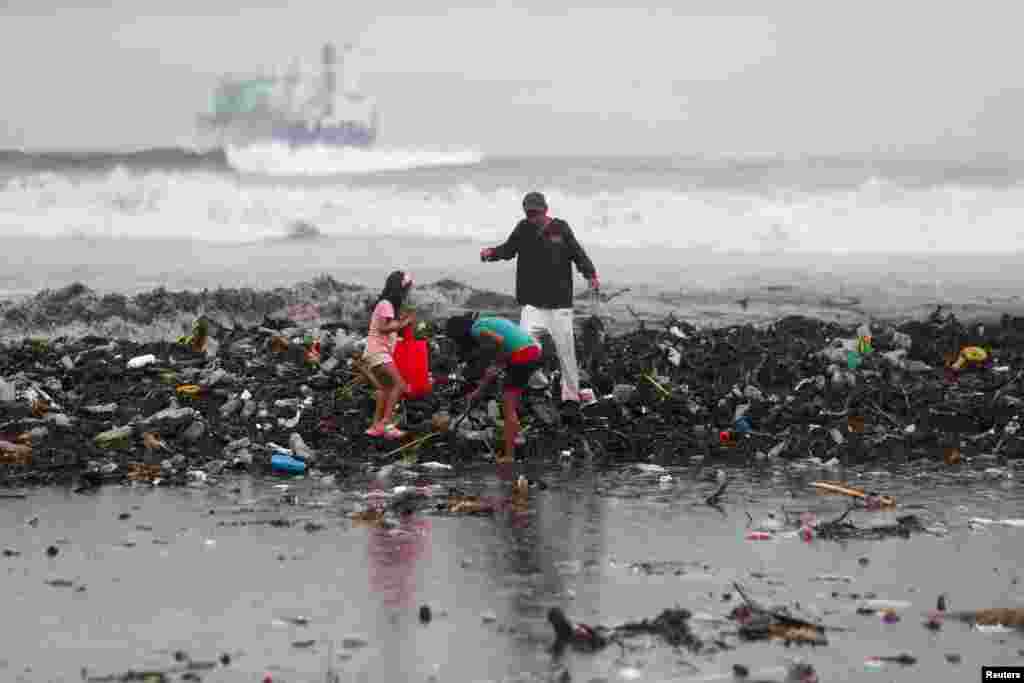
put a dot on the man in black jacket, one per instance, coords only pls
(546, 247)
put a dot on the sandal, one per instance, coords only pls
(375, 431)
(393, 432)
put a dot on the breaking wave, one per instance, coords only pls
(161, 158)
(276, 159)
(210, 203)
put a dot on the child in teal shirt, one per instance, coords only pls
(514, 348)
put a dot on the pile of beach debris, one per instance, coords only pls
(290, 395)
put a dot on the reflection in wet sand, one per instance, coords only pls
(394, 554)
(541, 544)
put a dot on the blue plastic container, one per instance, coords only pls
(286, 464)
(743, 425)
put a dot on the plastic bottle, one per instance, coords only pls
(141, 361)
(299, 449)
(864, 339)
(286, 464)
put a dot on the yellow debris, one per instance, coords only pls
(970, 354)
(15, 454)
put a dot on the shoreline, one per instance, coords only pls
(160, 313)
(165, 282)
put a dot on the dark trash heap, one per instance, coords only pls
(83, 411)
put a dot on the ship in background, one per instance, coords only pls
(299, 108)
(303, 123)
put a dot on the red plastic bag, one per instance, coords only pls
(412, 358)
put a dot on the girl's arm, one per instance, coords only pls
(389, 326)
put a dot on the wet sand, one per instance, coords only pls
(195, 570)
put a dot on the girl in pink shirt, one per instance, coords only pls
(380, 344)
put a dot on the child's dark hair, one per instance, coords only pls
(394, 291)
(458, 329)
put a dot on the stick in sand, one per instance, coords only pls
(658, 386)
(415, 442)
(423, 439)
(463, 416)
(886, 501)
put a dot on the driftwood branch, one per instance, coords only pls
(715, 498)
(878, 409)
(842, 517)
(998, 393)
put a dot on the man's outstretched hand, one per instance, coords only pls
(487, 254)
(594, 283)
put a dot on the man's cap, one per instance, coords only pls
(534, 201)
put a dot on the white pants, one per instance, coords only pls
(558, 323)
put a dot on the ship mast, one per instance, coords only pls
(330, 61)
(291, 81)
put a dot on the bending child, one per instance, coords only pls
(512, 348)
(380, 345)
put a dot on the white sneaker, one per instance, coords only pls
(538, 380)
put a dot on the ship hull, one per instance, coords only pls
(256, 130)
(344, 135)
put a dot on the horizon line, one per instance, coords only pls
(909, 155)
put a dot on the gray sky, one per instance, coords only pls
(720, 77)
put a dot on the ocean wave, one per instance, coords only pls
(275, 159)
(271, 159)
(160, 158)
(876, 216)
